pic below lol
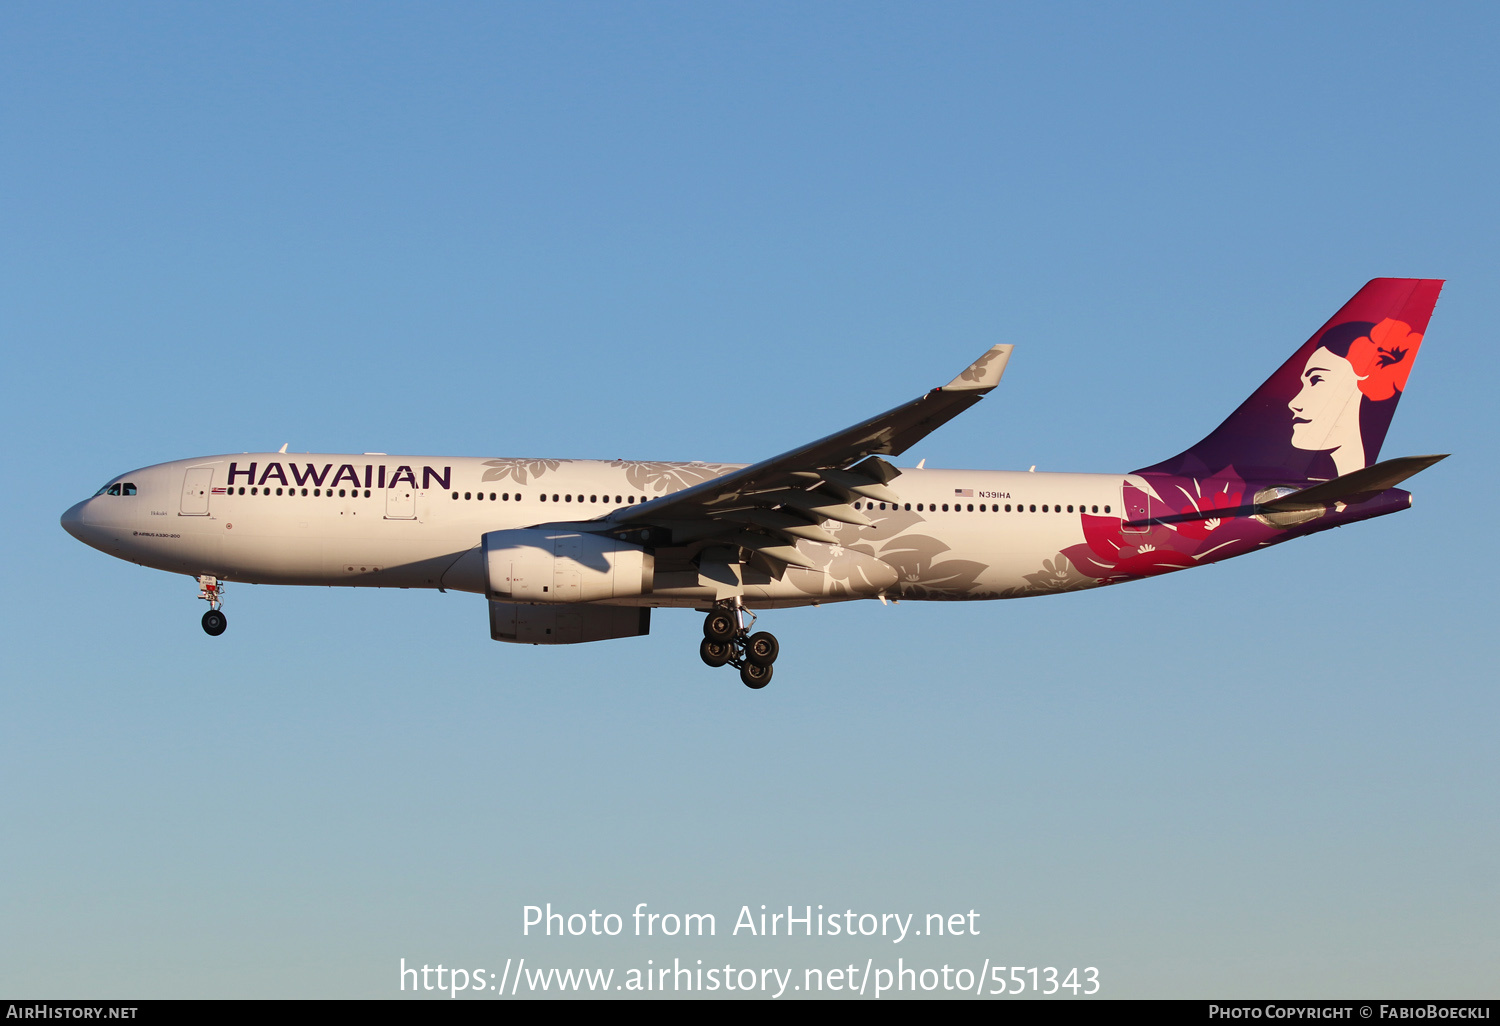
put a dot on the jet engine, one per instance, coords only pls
(545, 565)
(565, 625)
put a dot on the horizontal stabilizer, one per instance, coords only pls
(1350, 489)
(1354, 487)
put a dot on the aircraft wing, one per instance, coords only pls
(787, 496)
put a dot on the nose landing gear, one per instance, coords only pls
(212, 592)
(727, 641)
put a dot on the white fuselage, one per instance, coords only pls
(394, 521)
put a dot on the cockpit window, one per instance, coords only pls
(117, 488)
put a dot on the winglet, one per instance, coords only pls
(984, 373)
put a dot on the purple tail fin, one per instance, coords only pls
(1327, 410)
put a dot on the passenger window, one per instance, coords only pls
(945, 507)
(1007, 507)
(1033, 508)
(455, 495)
(1106, 509)
(1070, 509)
(618, 500)
(492, 496)
(567, 498)
(971, 507)
(908, 507)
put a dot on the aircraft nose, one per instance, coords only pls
(72, 520)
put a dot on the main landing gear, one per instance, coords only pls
(212, 592)
(727, 640)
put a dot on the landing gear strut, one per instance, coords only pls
(212, 592)
(727, 641)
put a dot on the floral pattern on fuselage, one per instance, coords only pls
(1056, 576)
(657, 478)
(913, 555)
(519, 469)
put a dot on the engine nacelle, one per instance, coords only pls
(565, 625)
(538, 564)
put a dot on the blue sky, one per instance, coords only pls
(674, 231)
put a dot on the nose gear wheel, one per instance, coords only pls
(211, 590)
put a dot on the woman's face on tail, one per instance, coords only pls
(1327, 408)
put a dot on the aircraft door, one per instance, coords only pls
(196, 485)
(1135, 504)
(401, 502)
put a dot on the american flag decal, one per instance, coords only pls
(220, 491)
(964, 493)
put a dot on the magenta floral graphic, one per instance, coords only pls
(1174, 533)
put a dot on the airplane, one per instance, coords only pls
(570, 551)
